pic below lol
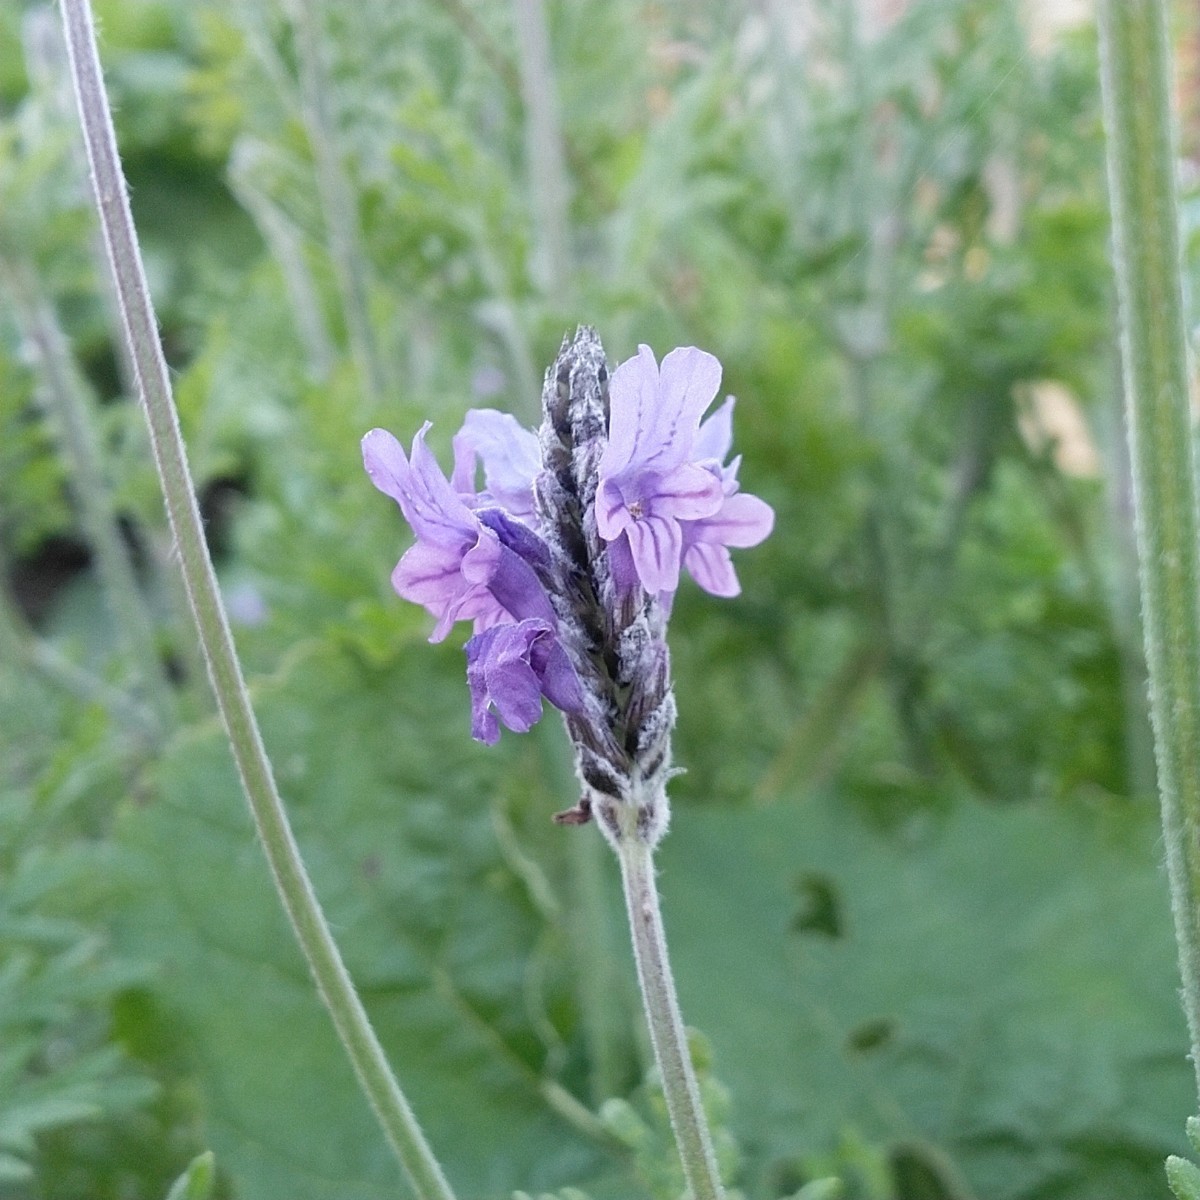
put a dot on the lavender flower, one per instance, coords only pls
(461, 567)
(648, 481)
(742, 520)
(568, 559)
(509, 669)
(510, 459)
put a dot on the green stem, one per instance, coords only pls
(667, 1034)
(1135, 75)
(71, 408)
(283, 855)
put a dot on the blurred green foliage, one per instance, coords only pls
(912, 888)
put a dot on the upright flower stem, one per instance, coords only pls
(667, 1034)
(1135, 78)
(283, 855)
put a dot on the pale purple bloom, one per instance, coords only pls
(742, 520)
(567, 554)
(665, 496)
(510, 458)
(461, 567)
(510, 668)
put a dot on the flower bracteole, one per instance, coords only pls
(568, 559)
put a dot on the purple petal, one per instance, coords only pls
(632, 394)
(429, 574)
(620, 563)
(687, 493)
(484, 726)
(511, 682)
(655, 416)
(516, 586)
(656, 544)
(480, 562)
(429, 503)
(384, 459)
(510, 456)
(715, 438)
(517, 536)
(743, 520)
(687, 384)
(435, 504)
(510, 668)
(712, 568)
(612, 514)
(560, 684)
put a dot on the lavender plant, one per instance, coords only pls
(567, 563)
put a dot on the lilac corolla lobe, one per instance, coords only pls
(648, 481)
(459, 568)
(510, 668)
(741, 521)
(510, 458)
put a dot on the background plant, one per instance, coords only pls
(918, 758)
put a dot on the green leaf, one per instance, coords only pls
(996, 992)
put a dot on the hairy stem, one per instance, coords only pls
(283, 855)
(667, 1033)
(1135, 77)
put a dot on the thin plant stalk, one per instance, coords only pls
(1135, 75)
(71, 407)
(283, 855)
(667, 1034)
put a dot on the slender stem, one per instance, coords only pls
(1135, 76)
(283, 855)
(667, 1034)
(71, 406)
(544, 141)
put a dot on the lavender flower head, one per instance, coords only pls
(568, 559)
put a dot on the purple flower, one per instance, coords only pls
(568, 557)
(742, 520)
(461, 567)
(665, 498)
(510, 458)
(510, 668)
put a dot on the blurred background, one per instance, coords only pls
(913, 887)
